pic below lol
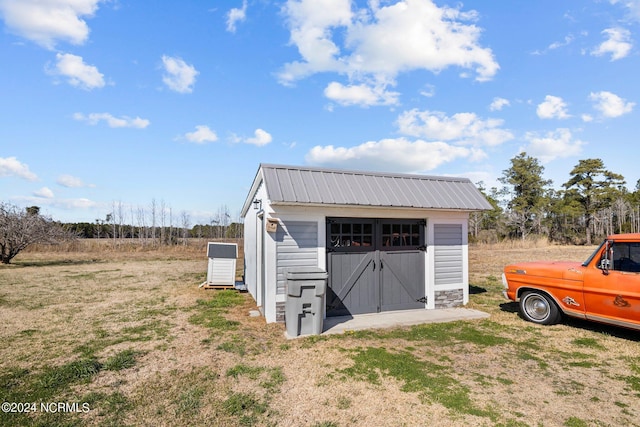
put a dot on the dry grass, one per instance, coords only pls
(188, 359)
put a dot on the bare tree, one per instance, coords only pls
(98, 226)
(132, 228)
(621, 207)
(142, 227)
(153, 219)
(21, 228)
(186, 225)
(163, 218)
(170, 241)
(110, 219)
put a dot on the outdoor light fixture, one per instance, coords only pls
(257, 204)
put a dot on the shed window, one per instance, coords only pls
(369, 234)
(401, 234)
(351, 234)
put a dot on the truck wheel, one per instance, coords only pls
(538, 307)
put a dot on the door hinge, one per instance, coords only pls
(423, 300)
(422, 248)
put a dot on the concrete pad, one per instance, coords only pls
(390, 319)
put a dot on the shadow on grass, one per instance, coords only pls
(53, 263)
(509, 307)
(601, 328)
(475, 290)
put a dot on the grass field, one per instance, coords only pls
(94, 335)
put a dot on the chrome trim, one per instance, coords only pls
(613, 322)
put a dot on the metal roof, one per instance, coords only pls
(319, 186)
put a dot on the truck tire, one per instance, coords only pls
(538, 307)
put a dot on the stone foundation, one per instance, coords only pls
(448, 299)
(280, 310)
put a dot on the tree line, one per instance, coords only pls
(157, 224)
(591, 204)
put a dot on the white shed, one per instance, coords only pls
(388, 241)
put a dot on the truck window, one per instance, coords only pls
(626, 257)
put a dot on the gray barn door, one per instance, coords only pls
(374, 265)
(402, 280)
(353, 284)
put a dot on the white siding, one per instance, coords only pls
(448, 254)
(296, 246)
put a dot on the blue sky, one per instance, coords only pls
(106, 102)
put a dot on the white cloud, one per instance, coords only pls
(462, 128)
(236, 15)
(179, 76)
(261, 138)
(428, 91)
(112, 121)
(378, 43)
(362, 94)
(391, 155)
(498, 104)
(633, 8)
(553, 145)
(10, 166)
(44, 192)
(310, 23)
(66, 204)
(78, 73)
(70, 181)
(80, 203)
(618, 44)
(553, 107)
(47, 22)
(567, 41)
(201, 135)
(610, 105)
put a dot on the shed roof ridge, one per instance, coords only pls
(366, 173)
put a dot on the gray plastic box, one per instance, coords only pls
(304, 307)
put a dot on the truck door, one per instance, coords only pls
(612, 285)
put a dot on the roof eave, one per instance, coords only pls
(257, 180)
(338, 205)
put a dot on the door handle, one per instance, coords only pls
(374, 266)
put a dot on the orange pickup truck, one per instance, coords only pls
(605, 288)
